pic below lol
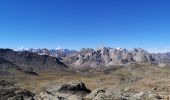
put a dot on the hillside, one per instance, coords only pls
(29, 61)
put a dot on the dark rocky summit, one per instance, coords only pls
(28, 61)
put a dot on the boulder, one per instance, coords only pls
(96, 92)
(70, 91)
(74, 87)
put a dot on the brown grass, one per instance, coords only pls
(151, 78)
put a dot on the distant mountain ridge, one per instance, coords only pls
(59, 52)
(104, 56)
(30, 61)
(108, 57)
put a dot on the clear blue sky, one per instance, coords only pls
(75, 24)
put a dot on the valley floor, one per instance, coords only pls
(139, 78)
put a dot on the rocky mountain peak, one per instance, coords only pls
(103, 56)
(106, 56)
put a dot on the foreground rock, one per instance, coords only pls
(77, 91)
(9, 92)
(125, 94)
(71, 91)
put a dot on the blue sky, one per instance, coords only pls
(75, 24)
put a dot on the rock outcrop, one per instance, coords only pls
(76, 91)
(163, 59)
(142, 56)
(9, 92)
(126, 94)
(71, 91)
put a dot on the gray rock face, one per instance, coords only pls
(71, 91)
(9, 92)
(142, 56)
(108, 56)
(89, 57)
(162, 58)
(120, 56)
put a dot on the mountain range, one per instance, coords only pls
(105, 56)
(45, 59)
(26, 61)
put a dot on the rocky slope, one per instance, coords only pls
(162, 58)
(29, 61)
(7, 67)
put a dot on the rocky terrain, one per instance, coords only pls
(163, 59)
(88, 74)
(9, 92)
(132, 82)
